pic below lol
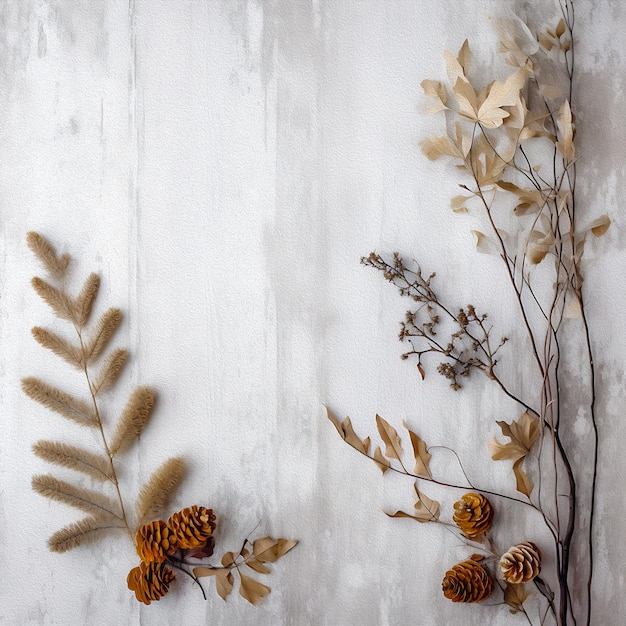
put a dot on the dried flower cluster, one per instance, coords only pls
(513, 142)
(160, 545)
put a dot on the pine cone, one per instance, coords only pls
(521, 563)
(150, 581)
(467, 582)
(155, 541)
(473, 514)
(192, 526)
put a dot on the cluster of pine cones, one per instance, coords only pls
(469, 581)
(189, 529)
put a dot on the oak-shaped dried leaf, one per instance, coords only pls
(252, 590)
(421, 454)
(436, 147)
(435, 90)
(389, 435)
(346, 432)
(515, 595)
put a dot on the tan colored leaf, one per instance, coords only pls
(565, 129)
(61, 347)
(507, 94)
(458, 204)
(258, 566)
(62, 403)
(389, 435)
(252, 590)
(485, 244)
(228, 560)
(417, 518)
(457, 65)
(346, 432)
(436, 147)
(522, 433)
(269, 550)
(424, 506)
(523, 483)
(224, 579)
(383, 463)
(435, 90)
(515, 595)
(600, 226)
(466, 99)
(422, 457)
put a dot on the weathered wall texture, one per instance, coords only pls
(224, 165)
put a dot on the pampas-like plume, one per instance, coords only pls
(133, 419)
(107, 325)
(57, 300)
(61, 347)
(81, 532)
(94, 465)
(84, 300)
(54, 265)
(156, 493)
(110, 370)
(59, 401)
(81, 498)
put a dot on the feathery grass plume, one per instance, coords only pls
(81, 498)
(94, 465)
(110, 370)
(79, 533)
(133, 419)
(61, 347)
(59, 401)
(56, 299)
(155, 495)
(55, 265)
(106, 326)
(84, 300)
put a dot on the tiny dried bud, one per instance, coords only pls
(473, 514)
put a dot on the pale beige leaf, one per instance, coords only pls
(507, 94)
(346, 431)
(523, 483)
(383, 463)
(269, 550)
(96, 466)
(252, 590)
(435, 90)
(55, 265)
(485, 244)
(565, 128)
(458, 204)
(60, 402)
(80, 533)
(61, 347)
(437, 147)
(157, 492)
(599, 226)
(424, 506)
(389, 435)
(83, 302)
(421, 454)
(466, 98)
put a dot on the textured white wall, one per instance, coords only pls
(224, 165)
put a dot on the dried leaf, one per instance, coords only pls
(515, 595)
(599, 226)
(257, 566)
(62, 403)
(106, 326)
(228, 560)
(484, 243)
(523, 483)
(156, 493)
(507, 94)
(347, 433)
(565, 129)
(422, 457)
(389, 435)
(94, 465)
(383, 463)
(425, 507)
(54, 265)
(83, 302)
(252, 590)
(61, 347)
(224, 579)
(436, 147)
(269, 550)
(457, 204)
(133, 419)
(86, 500)
(79, 533)
(110, 370)
(435, 89)
(57, 300)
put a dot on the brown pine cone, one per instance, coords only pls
(155, 541)
(192, 526)
(467, 581)
(521, 563)
(473, 514)
(150, 581)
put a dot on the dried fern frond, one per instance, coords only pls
(155, 495)
(86, 500)
(110, 370)
(58, 301)
(61, 347)
(55, 265)
(59, 401)
(106, 326)
(81, 532)
(94, 465)
(133, 419)
(84, 300)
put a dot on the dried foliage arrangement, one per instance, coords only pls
(513, 142)
(187, 538)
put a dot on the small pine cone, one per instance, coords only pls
(192, 526)
(155, 541)
(150, 581)
(467, 581)
(473, 514)
(521, 563)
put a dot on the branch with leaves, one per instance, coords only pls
(162, 546)
(513, 141)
